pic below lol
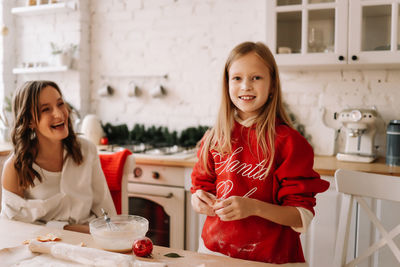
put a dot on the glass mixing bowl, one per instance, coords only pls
(118, 234)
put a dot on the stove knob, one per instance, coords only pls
(137, 172)
(156, 175)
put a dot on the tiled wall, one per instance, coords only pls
(139, 41)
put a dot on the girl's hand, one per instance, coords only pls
(234, 208)
(202, 202)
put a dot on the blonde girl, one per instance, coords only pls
(52, 177)
(254, 178)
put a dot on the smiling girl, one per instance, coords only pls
(52, 176)
(254, 178)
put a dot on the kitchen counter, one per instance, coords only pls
(13, 233)
(327, 165)
(324, 165)
(166, 161)
(5, 149)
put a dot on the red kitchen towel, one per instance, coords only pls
(113, 167)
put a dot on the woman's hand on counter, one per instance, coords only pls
(81, 228)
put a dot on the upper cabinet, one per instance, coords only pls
(342, 33)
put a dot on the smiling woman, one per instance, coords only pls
(51, 123)
(53, 176)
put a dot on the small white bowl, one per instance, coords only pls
(118, 236)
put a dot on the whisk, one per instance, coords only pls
(111, 226)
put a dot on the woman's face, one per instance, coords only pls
(249, 84)
(53, 116)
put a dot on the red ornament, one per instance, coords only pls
(104, 141)
(142, 247)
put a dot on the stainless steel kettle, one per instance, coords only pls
(393, 143)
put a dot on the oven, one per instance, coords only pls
(157, 193)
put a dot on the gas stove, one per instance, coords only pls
(149, 151)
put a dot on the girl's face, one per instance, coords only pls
(53, 114)
(249, 83)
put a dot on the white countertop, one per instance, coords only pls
(13, 233)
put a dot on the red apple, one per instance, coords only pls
(104, 141)
(142, 247)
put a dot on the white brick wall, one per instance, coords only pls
(121, 41)
(187, 40)
(6, 44)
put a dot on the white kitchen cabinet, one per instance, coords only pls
(319, 240)
(334, 33)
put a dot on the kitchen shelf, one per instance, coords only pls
(127, 75)
(40, 69)
(44, 8)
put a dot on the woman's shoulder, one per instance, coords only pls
(88, 149)
(9, 178)
(9, 163)
(86, 145)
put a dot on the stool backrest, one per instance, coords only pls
(129, 166)
(355, 186)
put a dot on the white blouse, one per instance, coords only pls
(73, 196)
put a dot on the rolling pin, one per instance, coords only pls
(88, 256)
(83, 255)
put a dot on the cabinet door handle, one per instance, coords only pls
(155, 175)
(354, 57)
(341, 58)
(169, 195)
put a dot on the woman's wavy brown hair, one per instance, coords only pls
(26, 110)
(219, 136)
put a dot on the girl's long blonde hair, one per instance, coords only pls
(219, 136)
(25, 110)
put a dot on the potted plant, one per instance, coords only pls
(62, 56)
(4, 120)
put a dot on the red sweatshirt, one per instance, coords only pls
(290, 182)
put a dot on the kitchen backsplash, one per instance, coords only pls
(182, 46)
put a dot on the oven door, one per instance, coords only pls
(164, 207)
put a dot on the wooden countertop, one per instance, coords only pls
(188, 162)
(327, 165)
(324, 165)
(13, 233)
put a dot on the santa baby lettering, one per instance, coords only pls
(256, 172)
(225, 187)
